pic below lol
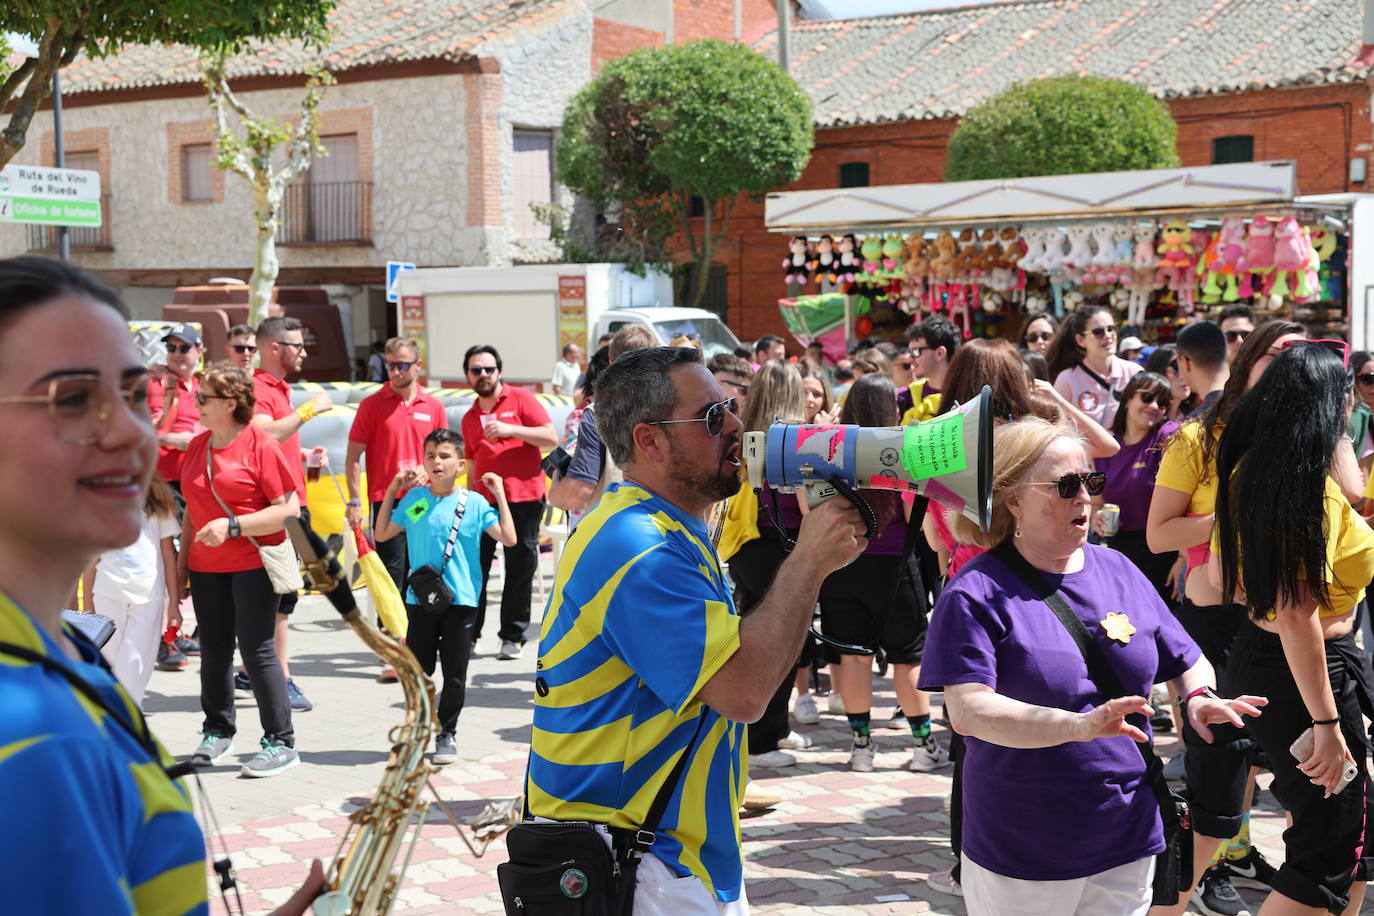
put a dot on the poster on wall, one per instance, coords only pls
(572, 312)
(413, 326)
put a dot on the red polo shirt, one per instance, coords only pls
(515, 461)
(181, 416)
(274, 401)
(390, 431)
(249, 474)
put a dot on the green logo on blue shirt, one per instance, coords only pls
(417, 511)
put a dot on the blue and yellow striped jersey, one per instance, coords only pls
(92, 824)
(639, 620)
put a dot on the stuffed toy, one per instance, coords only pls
(1292, 248)
(1257, 261)
(1330, 259)
(989, 256)
(1053, 258)
(1142, 274)
(946, 249)
(892, 257)
(1308, 285)
(823, 265)
(871, 251)
(1122, 248)
(1208, 267)
(1198, 240)
(914, 272)
(1080, 256)
(1175, 254)
(1035, 250)
(797, 266)
(967, 258)
(848, 265)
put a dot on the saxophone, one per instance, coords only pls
(363, 879)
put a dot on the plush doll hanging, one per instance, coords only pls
(871, 251)
(1053, 258)
(1104, 254)
(1291, 251)
(1123, 248)
(797, 265)
(1175, 254)
(1080, 256)
(892, 265)
(1005, 271)
(847, 268)
(1257, 262)
(1143, 263)
(823, 264)
(1029, 262)
(914, 272)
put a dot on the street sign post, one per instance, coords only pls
(393, 270)
(51, 197)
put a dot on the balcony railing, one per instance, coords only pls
(326, 212)
(89, 238)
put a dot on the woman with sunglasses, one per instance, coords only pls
(1300, 592)
(76, 774)
(238, 485)
(1164, 361)
(1142, 427)
(1058, 813)
(1038, 331)
(1084, 364)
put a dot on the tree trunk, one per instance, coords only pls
(266, 202)
(701, 270)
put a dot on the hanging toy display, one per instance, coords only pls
(914, 272)
(823, 263)
(797, 265)
(1257, 261)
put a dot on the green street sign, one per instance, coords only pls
(48, 212)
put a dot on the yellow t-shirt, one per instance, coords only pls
(1180, 468)
(924, 406)
(1349, 553)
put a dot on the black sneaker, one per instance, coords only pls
(1252, 871)
(243, 688)
(170, 658)
(188, 645)
(1215, 895)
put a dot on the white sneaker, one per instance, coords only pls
(772, 759)
(804, 710)
(835, 704)
(928, 756)
(509, 650)
(795, 742)
(861, 758)
(943, 881)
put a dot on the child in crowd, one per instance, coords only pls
(137, 588)
(429, 515)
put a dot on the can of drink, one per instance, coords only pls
(1111, 519)
(314, 460)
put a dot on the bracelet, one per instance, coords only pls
(355, 503)
(1335, 721)
(306, 411)
(234, 529)
(1201, 692)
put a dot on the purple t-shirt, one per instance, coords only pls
(779, 507)
(1021, 804)
(1131, 476)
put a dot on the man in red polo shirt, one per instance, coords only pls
(505, 432)
(281, 351)
(172, 400)
(390, 427)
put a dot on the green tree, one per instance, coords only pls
(1061, 126)
(62, 29)
(661, 126)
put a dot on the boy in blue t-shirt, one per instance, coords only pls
(426, 516)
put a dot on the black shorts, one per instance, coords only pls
(855, 608)
(1327, 842)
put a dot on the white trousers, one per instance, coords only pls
(132, 650)
(1121, 891)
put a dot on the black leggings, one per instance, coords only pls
(449, 637)
(522, 564)
(752, 570)
(242, 606)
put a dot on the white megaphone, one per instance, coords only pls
(947, 459)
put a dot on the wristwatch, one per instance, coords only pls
(234, 529)
(1200, 692)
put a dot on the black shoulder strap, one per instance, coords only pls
(1099, 379)
(453, 529)
(644, 836)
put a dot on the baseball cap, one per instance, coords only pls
(1128, 344)
(185, 332)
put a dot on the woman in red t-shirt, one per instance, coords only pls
(232, 592)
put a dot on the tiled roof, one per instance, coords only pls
(366, 33)
(941, 63)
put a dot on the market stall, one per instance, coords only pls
(1159, 246)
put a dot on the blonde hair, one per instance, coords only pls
(775, 395)
(1016, 448)
(396, 344)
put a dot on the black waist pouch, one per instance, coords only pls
(432, 593)
(561, 868)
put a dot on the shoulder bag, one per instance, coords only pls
(431, 591)
(278, 559)
(1100, 380)
(1173, 866)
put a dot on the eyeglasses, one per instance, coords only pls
(202, 398)
(1365, 378)
(1068, 485)
(81, 405)
(714, 419)
(905, 364)
(738, 386)
(399, 366)
(299, 345)
(243, 348)
(1339, 347)
(179, 348)
(1149, 397)
(481, 370)
(917, 351)
(1236, 336)
(1101, 333)
(1039, 336)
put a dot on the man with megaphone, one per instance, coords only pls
(643, 660)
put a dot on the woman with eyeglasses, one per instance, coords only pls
(1038, 331)
(238, 485)
(81, 776)
(1290, 547)
(1141, 426)
(1084, 364)
(1059, 815)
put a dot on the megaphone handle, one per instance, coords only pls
(865, 510)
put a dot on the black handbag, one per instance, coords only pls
(431, 592)
(565, 868)
(1173, 866)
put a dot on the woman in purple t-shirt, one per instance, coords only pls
(1058, 813)
(1141, 426)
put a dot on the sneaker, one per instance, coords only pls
(861, 758)
(388, 676)
(898, 720)
(804, 710)
(170, 658)
(835, 704)
(243, 688)
(298, 701)
(1162, 722)
(210, 750)
(509, 650)
(772, 759)
(928, 755)
(1173, 770)
(943, 881)
(188, 645)
(794, 742)
(1252, 871)
(445, 749)
(1215, 895)
(271, 760)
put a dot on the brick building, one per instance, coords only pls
(1254, 81)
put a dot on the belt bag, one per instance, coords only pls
(431, 592)
(1173, 866)
(283, 568)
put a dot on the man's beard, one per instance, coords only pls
(484, 385)
(712, 486)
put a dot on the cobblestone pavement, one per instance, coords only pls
(839, 843)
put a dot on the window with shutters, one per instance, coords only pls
(329, 204)
(196, 173)
(1236, 148)
(533, 167)
(853, 174)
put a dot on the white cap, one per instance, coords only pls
(1128, 344)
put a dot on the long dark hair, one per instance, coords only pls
(1150, 381)
(1064, 352)
(988, 361)
(872, 401)
(1272, 466)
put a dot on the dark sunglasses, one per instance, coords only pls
(202, 398)
(714, 418)
(1173, 366)
(1365, 378)
(399, 366)
(1037, 336)
(1236, 336)
(1339, 347)
(1149, 397)
(243, 348)
(917, 351)
(1101, 333)
(738, 386)
(1068, 485)
(906, 364)
(179, 348)
(481, 370)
